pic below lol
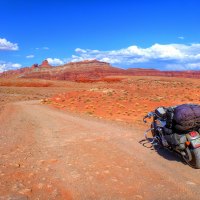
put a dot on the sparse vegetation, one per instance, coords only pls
(24, 83)
(132, 98)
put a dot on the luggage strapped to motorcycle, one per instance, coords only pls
(170, 116)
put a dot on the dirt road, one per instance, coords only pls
(50, 154)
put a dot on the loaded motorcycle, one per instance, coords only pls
(185, 143)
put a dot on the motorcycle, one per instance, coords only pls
(186, 144)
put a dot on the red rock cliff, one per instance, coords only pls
(89, 69)
(45, 64)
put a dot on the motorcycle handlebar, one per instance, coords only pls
(144, 119)
(149, 115)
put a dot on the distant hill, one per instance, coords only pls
(74, 71)
(88, 70)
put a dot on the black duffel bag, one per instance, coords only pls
(186, 117)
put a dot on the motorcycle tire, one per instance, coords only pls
(195, 161)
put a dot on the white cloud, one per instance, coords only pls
(79, 50)
(15, 65)
(30, 56)
(4, 66)
(7, 45)
(181, 37)
(163, 56)
(163, 52)
(55, 61)
(42, 48)
(183, 66)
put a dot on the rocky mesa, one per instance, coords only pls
(88, 70)
(74, 71)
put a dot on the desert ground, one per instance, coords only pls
(84, 140)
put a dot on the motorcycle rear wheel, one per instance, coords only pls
(195, 161)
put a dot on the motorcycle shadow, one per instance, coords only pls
(165, 153)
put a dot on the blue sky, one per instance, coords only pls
(162, 34)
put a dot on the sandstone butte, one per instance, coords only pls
(88, 70)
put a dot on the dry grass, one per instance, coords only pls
(24, 83)
(105, 79)
(129, 99)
